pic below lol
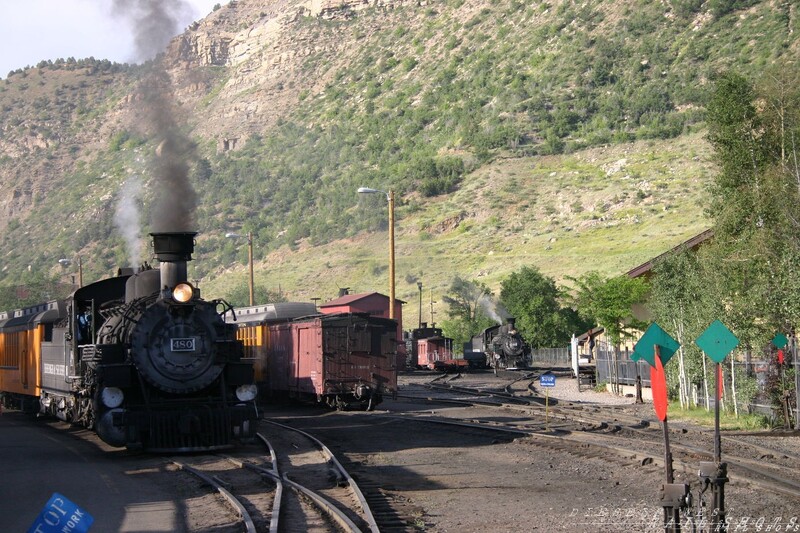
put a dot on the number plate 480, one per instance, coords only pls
(183, 345)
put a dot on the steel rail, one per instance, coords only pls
(320, 501)
(778, 483)
(276, 503)
(250, 527)
(465, 390)
(556, 412)
(368, 517)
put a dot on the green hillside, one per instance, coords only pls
(559, 134)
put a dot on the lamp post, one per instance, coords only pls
(67, 262)
(232, 235)
(390, 200)
(419, 286)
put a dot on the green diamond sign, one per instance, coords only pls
(780, 340)
(717, 341)
(645, 348)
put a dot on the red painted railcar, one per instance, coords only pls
(343, 360)
(429, 348)
(435, 352)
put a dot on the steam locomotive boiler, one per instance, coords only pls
(502, 345)
(141, 358)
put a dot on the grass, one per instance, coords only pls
(502, 229)
(727, 420)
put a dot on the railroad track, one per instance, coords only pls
(632, 452)
(611, 429)
(296, 484)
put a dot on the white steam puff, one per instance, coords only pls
(127, 219)
(493, 309)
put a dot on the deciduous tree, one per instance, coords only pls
(609, 303)
(536, 302)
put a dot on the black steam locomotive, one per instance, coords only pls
(502, 347)
(142, 359)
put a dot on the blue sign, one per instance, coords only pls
(547, 380)
(61, 516)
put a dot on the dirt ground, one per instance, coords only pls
(465, 480)
(436, 478)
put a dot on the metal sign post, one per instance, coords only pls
(547, 381)
(657, 347)
(717, 342)
(796, 383)
(780, 341)
(674, 496)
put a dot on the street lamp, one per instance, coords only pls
(67, 262)
(419, 286)
(390, 199)
(232, 235)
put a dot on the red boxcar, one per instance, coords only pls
(433, 352)
(340, 359)
(430, 349)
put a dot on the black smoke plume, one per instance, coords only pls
(155, 22)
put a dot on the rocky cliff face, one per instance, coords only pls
(236, 72)
(260, 49)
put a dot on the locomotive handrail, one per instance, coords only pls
(226, 307)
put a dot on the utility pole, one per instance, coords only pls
(419, 285)
(432, 302)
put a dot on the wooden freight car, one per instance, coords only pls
(342, 360)
(429, 348)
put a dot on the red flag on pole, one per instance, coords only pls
(721, 385)
(780, 357)
(658, 384)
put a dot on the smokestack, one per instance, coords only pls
(511, 321)
(173, 250)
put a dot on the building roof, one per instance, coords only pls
(348, 299)
(691, 244)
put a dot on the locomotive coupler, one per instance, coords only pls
(675, 497)
(715, 475)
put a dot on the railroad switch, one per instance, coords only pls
(714, 476)
(675, 497)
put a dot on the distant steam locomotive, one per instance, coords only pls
(140, 358)
(502, 347)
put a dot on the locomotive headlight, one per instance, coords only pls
(182, 292)
(245, 393)
(112, 397)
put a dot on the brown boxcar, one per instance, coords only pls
(436, 353)
(343, 360)
(429, 348)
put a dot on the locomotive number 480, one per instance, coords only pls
(183, 345)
